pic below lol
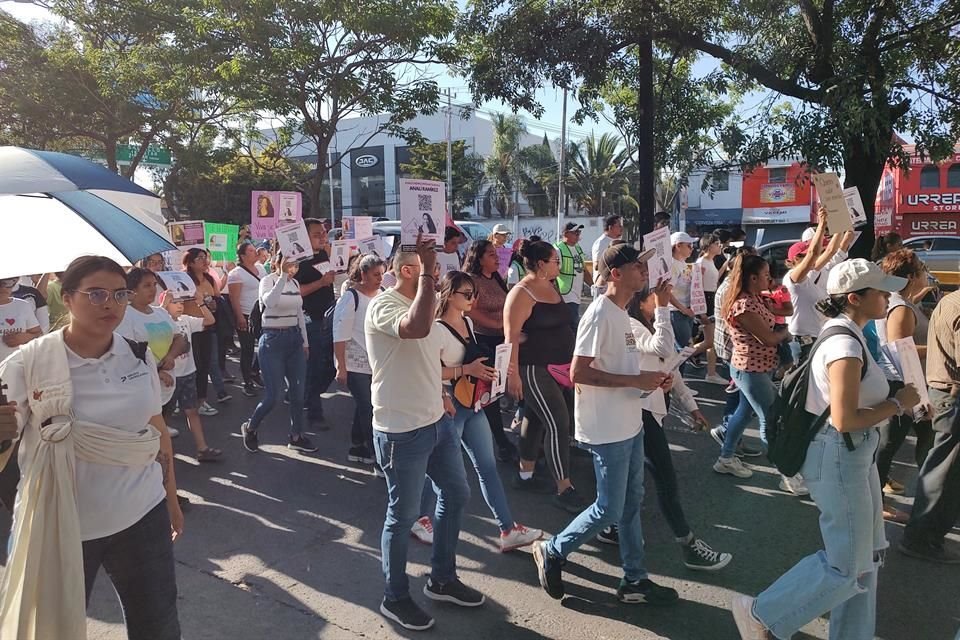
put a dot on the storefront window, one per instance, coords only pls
(953, 176)
(930, 177)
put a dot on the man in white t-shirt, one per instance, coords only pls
(414, 437)
(609, 392)
(612, 230)
(18, 322)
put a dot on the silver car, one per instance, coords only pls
(942, 257)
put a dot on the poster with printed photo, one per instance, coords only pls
(340, 254)
(188, 235)
(270, 209)
(501, 362)
(179, 283)
(294, 241)
(371, 245)
(423, 204)
(659, 264)
(858, 216)
(357, 227)
(289, 210)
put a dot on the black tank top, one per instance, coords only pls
(549, 337)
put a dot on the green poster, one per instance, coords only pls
(222, 240)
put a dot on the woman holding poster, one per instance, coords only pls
(196, 262)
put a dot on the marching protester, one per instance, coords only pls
(243, 283)
(612, 230)
(196, 262)
(459, 345)
(350, 351)
(839, 471)
(317, 291)
(500, 235)
(414, 438)
(21, 324)
(115, 506)
(609, 386)
(537, 324)
(936, 506)
(486, 313)
(573, 273)
(184, 370)
(31, 293)
(886, 243)
(282, 354)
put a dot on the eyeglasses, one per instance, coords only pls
(469, 295)
(100, 296)
(555, 260)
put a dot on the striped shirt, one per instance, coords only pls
(281, 303)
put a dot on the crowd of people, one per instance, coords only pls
(97, 361)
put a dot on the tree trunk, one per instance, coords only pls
(646, 178)
(863, 164)
(110, 153)
(315, 187)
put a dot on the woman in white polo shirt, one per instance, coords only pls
(125, 512)
(243, 283)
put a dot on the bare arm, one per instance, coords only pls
(583, 372)
(800, 271)
(753, 324)
(830, 252)
(901, 323)
(165, 459)
(845, 414)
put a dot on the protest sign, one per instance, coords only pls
(832, 198)
(357, 227)
(270, 209)
(371, 245)
(340, 254)
(294, 241)
(659, 264)
(188, 235)
(673, 363)
(179, 283)
(501, 362)
(448, 262)
(422, 211)
(858, 217)
(698, 301)
(907, 360)
(222, 240)
(289, 209)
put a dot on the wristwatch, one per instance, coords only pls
(896, 404)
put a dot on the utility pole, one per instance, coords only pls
(645, 138)
(449, 155)
(561, 209)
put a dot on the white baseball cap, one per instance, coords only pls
(808, 234)
(502, 229)
(680, 236)
(854, 275)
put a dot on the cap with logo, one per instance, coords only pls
(854, 275)
(618, 255)
(572, 226)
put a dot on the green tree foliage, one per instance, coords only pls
(429, 162)
(600, 176)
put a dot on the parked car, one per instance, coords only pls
(942, 258)
(389, 230)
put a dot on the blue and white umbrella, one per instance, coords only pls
(55, 207)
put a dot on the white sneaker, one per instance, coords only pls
(693, 392)
(794, 485)
(519, 536)
(206, 410)
(716, 379)
(173, 432)
(422, 530)
(748, 626)
(733, 466)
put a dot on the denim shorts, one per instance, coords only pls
(185, 394)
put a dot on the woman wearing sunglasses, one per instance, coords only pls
(97, 465)
(18, 322)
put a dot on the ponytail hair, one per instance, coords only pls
(836, 304)
(883, 243)
(744, 266)
(536, 252)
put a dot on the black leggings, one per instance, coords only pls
(657, 458)
(201, 343)
(248, 346)
(892, 436)
(548, 416)
(492, 410)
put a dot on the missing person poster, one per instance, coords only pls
(222, 240)
(188, 235)
(658, 264)
(855, 206)
(501, 362)
(340, 254)
(832, 198)
(371, 245)
(698, 300)
(270, 209)
(180, 283)
(357, 227)
(294, 241)
(423, 204)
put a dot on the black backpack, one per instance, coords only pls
(791, 427)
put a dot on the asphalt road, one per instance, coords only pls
(284, 545)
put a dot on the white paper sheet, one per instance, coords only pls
(423, 205)
(179, 283)
(659, 264)
(501, 363)
(294, 241)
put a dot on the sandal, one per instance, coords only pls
(209, 455)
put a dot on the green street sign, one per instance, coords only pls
(155, 156)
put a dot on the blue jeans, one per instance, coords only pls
(682, 328)
(361, 432)
(474, 433)
(406, 459)
(321, 370)
(281, 357)
(841, 579)
(619, 470)
(759, 393)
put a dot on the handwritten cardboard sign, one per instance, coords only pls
(832, 198)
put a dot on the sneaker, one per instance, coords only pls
(249, 391)
(360, 454)
(731, 388)
(699, 556)
(422, 530)
(173, 432)
(794, 485)
(302, 444)
(519, 536)
(549, 570)
(748, 626)
(609, 535)
(744, 451)
(229, 379)
(696, 362)
(733, 466)
(455, 592)
(250, 440)
(507, 452)
(716, 379)
(569, 501)
(928, 551)
(535, 484)
(257, 380)
(693, 392)
(319, 424)
(406, 613)
(223, 396)
(718, 434)
(894, 488)
(206, 410)
(645, 591)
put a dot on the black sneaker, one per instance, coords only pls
(549, 570)
(257, 380)
(223, 396)
(455, 592)
(250, 440)
(610, 535)
(249, 391)
(360, 454)
(229, 379)
(645, 592)
(406, 613)
(534, 485)
(928, 551)
(507, 452)
(319, 424)
(569, 501)
(744, 451)
(302, 444)
(699, 556)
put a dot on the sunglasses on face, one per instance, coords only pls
(468, 295)
(100, 296)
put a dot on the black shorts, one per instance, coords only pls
(711, 298)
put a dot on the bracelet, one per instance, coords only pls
(897, 404)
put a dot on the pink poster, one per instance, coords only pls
(270, 209)
(503, 255)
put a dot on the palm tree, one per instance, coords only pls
(541, 179)
(504, 166)
(600, 176)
